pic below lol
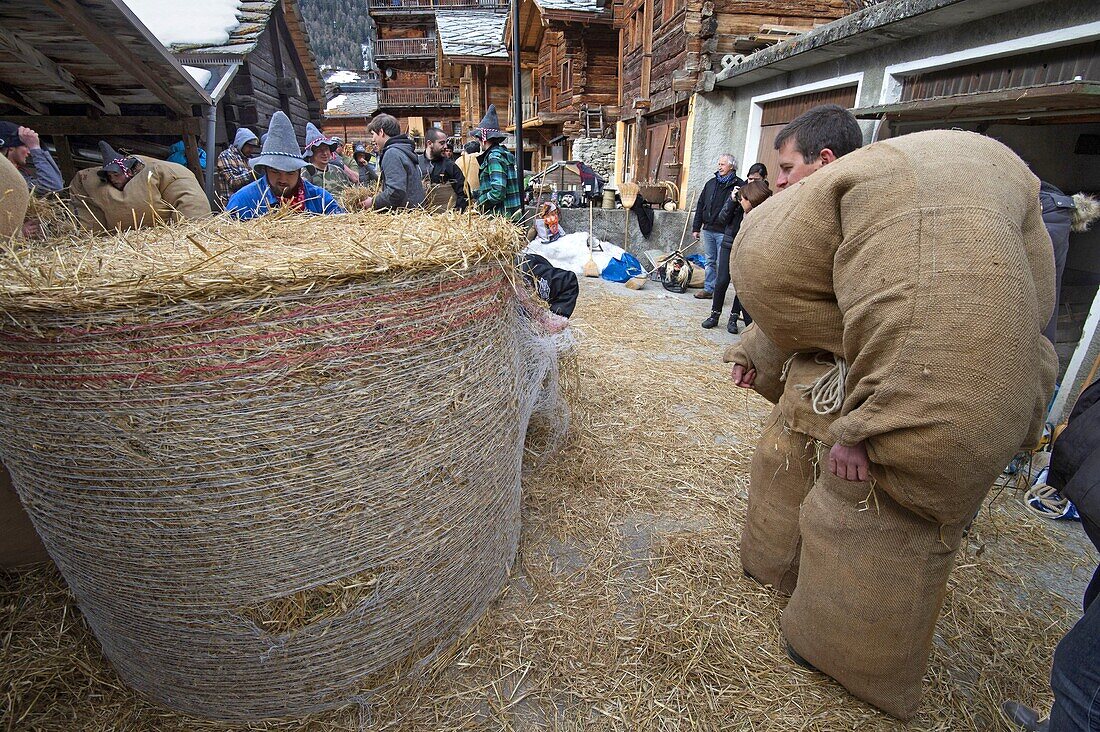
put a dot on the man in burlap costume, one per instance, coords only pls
(135, 191)
(14, 199)
(921, 300)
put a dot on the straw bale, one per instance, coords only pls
(626, 608)
(282, 474)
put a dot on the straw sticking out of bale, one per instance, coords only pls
(627, 609)
(274, 462)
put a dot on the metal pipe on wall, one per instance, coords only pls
(211, 151)
(517, 91)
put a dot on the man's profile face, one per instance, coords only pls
(250, 150)
(435, 148)
(282, 182)
(18, 155)
(725, 165)
(378, 138)
(118, 180)
(792, 166)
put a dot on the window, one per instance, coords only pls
(567, 75)
(456, 129)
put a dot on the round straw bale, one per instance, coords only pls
(278, 464)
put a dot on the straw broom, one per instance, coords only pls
(591, 269)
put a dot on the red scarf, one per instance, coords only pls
(296, 201)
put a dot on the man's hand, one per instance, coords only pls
(695, 235)
(743, 377)
(368, 203)
(29, 138)
(849, 463)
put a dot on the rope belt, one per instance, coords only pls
(826, 393)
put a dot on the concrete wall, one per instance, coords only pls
(722, 117)
(607, 224)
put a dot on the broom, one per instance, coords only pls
(591, 269)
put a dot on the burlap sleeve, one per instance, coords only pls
(182, 192)
(756, 351)
(88, 213)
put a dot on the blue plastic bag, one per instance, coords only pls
(697, 259)
(622, 269)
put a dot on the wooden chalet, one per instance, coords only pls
(569, 57)
(265, 65)
(474, 59)
(668, 50)
(406, 51)
(77, 71)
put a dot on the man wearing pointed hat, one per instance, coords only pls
(233, 172)
(280, 182)
(135, 191)
(499, 189)
(328, 169)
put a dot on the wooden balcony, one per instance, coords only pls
(391, 98)
(426, 7)
(398, 48)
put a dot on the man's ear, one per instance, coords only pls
(827, 156)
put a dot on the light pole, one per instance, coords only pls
(517, 91)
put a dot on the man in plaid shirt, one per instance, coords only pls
(499, 190)
(233, 172)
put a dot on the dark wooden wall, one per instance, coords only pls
(256, 93)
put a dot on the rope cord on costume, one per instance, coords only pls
(272, 506)
(826, 393)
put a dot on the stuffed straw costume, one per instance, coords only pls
(903, 310)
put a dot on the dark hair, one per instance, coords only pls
(434, 133)
(827, 126)
(759, 168)
(473, 147)
(755, 192)
(386, 124)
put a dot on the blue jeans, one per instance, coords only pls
(1075, 678)
(712, 240)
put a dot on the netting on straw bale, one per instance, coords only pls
(278, 464)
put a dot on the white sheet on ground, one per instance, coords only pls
(571, 252)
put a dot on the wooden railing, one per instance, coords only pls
(427, 6)
(404, 48)
(530, 110)
(418, 97)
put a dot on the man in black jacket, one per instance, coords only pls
(1075, 678)
(440, 170)
(706, 224)
(398, 173)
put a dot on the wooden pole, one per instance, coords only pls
(65, 158)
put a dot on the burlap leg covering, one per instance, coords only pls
(782, 474)
(870, 587)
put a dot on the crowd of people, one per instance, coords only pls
(255, 175)
(886, 433)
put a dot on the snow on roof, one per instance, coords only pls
(194, 22)
(356, 104)
(574, 6)
(471, 33)
(200, 75)
(336, 102)
(342, 76)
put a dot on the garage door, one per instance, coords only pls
(778, 113)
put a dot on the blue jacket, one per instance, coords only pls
(177, 155)
(256, 199)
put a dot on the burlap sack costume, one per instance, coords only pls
(14, 198)
(162, 192)
(931, 281)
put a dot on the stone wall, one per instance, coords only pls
(597, 153)
(607, 224)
